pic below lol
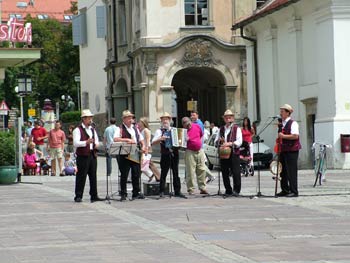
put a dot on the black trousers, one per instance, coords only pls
(168, 161)
(289, 174)
(231, 166)
(124, 167)
(86, 165)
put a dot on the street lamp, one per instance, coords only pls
(77, 80)
(24, 88)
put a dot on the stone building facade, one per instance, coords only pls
(163, 54)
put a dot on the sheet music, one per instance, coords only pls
(122, 148)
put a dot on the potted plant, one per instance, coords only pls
(8, 167)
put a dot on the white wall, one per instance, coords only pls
(303, 53)
(92, 61)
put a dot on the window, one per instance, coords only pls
(79, 29)
(67, 17)
(259, 3)
(42, 16)
(101, 21)
(122, 22)
(17, 16)
(196, 12)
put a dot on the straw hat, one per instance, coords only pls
(86, 113)
(166, 115)
(228, 113)
(127, 113)
(287, 107)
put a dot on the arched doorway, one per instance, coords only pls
(119, 98)
(204, 85)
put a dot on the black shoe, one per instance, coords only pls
(77, 199)
(282, 193)
(161, 194)
(181, 195)
(97, 199)
(123, 198)
(235, 194)
(292, 195)
(138, 196)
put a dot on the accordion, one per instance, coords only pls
(179, 137)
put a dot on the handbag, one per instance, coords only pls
(146, 159)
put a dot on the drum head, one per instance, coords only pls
(273, 167)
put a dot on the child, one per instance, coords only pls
(30, 158)
(69, 166)
(45, 166)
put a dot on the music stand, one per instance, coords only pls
(219, 193)
(119, 148)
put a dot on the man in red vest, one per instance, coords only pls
(230, 136)
(85, 140)
(289, 153)
(129, 133)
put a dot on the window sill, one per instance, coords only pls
(198, 28)
(123, 45)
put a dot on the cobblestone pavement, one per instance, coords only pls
(39, 222)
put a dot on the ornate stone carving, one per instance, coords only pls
(198, 54)
(151, 68)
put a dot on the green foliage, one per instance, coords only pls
(7, 149)
(71, 116)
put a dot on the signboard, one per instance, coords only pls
(31, 112)
(15, 31)
(192, 105)
(4, 108)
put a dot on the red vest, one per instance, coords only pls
(85, 151)
(289, 145)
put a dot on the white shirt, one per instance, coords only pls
(131, 131)
(294, 129)
(158, 134)
(77, 136)
(237, 142)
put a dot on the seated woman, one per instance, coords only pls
(30, 159)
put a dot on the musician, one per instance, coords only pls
(85, 140)
(169, 158)
(289, 153)
(194, 156)
(230, 135)
(129, 133)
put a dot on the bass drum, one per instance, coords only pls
(275, 167)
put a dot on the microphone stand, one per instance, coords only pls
(259, 194)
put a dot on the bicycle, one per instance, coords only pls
(320, 161)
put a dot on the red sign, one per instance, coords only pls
(15, 31)
(3, 106)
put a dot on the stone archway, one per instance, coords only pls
(204, 85)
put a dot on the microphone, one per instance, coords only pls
(275, 117)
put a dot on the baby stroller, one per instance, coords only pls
(245, 160)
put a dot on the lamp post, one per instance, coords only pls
(77, 80)
(24, 88)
